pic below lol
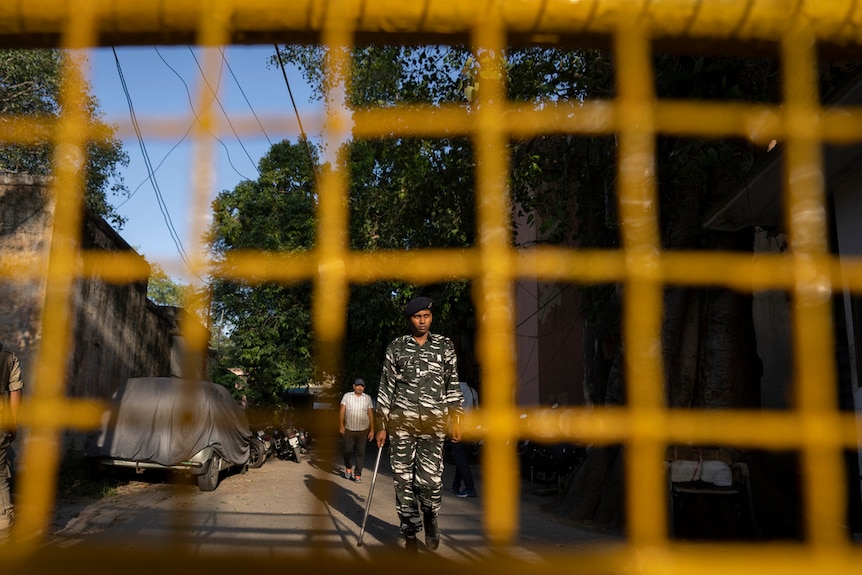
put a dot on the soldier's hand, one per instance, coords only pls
(381, 438)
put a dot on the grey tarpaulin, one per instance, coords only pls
(167, 420)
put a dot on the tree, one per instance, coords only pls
(405, 193)
(164, 290)
(270, 336)
(30, 84)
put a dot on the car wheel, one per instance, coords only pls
(256, 455)
(208, 480)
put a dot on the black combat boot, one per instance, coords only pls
(432, 532)
(410, 543)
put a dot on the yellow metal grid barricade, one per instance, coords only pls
(645, 426)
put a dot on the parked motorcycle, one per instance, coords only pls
(260, 448)
(286, 443)
(549, 464)
(295, 441)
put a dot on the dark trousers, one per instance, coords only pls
(354, 450)
(461, 455)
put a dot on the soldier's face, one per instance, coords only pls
(420, 322)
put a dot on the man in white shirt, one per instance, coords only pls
(356, 424)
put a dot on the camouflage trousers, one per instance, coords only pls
(5, 492)
(417, 470)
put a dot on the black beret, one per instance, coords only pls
(416, 305)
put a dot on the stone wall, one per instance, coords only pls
(25, 228)
(117, 332)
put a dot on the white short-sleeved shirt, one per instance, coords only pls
(356, 411)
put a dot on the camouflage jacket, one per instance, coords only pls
(10, 380)
(10, 372)
(419, 385)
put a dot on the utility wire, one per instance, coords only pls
(241, 91)
(152, 176)
(189, 130)
(296, 110)
(159, 165)
(227, 117)
(197, 118)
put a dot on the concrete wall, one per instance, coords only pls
(549, 335)
(25, 226)
(117, 332)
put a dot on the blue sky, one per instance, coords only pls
(161, 81)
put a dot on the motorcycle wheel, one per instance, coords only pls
(256, 454)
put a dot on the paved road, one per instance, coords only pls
(285, 507)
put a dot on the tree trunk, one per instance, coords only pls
(710, 362)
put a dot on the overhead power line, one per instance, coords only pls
(197, 118)
(191, 126)
(295, 109)
(150, 171)
(214, 92)
(241, 91)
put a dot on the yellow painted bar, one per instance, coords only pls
(807, 271)
(836, 21)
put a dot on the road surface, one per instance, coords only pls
(288, 507)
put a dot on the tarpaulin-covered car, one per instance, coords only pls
(166, 423)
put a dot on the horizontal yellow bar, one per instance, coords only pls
(671, 559)
(743, 272)
(609, 425)
(26, 130)
(261, 21)
(115, 267)
(60, 413)
(759, 124)
(835, 20)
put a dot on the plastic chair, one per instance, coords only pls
(711, 473)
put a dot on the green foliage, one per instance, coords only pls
(270, 324)
(410, 194)
(385, 75)
(404, 194)
(163, 290)
(30, 85)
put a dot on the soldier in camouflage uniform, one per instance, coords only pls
(417, 396)
(10, 399)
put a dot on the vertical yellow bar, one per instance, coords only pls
(41, 458)
(645, 486)
(213, 32)
(331, 290)
(494, 301)
(824, 495)
(329, 309)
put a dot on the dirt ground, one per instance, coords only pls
(285, 506)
